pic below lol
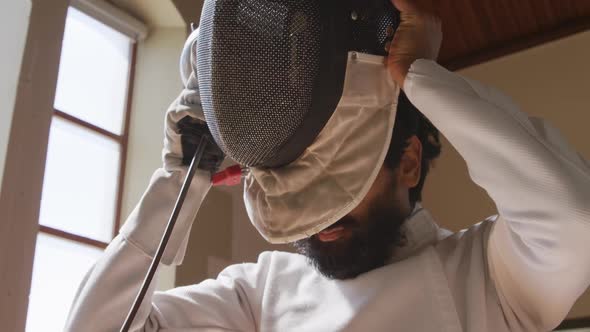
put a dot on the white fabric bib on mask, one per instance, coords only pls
(335, 173)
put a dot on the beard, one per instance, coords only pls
(370, 245)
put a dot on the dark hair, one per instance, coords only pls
(409, 122)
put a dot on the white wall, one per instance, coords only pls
(14, 22)
(157, 84)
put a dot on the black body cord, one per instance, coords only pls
(164, 241)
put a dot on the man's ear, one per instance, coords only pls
(410, 166)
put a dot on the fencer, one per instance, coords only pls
(385, 264)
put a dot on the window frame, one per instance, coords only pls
(122, 140)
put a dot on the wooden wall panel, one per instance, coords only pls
(22, 182)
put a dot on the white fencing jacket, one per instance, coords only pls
(521, 270)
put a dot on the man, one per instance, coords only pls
(386, 265)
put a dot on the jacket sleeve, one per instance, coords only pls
(110, 287)
(539, 247)
(108, 290)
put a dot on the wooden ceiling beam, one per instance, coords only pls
(518, 44)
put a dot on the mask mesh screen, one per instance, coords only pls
(259, 88)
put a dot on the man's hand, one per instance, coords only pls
(418, 36)
(184, 127)
(185, 124)
(191, 131)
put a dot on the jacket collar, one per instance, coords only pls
(420, 231)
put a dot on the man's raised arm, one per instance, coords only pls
(108, 290)
(106, 294)
(539, 248)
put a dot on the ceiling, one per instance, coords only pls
(474, 31)
(154, 13)
(479, 30)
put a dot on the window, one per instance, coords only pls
(82, 188)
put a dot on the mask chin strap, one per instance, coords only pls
(164, 241)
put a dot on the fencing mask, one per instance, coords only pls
(299, 92)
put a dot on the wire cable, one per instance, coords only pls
(164, 241)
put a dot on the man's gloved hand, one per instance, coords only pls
(191, 131)
(185, 126)
(185, 121)
(418, 36)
